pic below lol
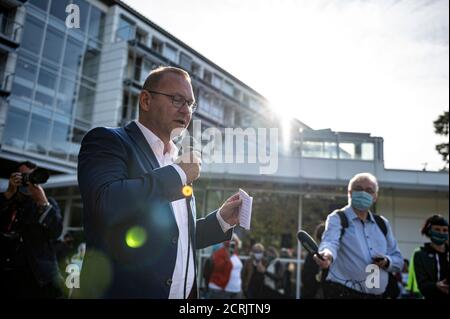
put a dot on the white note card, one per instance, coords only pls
(245, 211)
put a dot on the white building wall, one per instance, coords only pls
(407, 215)
(108, 100)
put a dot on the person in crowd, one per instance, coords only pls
(253, 273)
(356, 242)
(225, 280)
(30, 223)
(431, 260)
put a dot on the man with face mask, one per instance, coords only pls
(360, 254)
(30, 222)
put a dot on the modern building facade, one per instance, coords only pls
(57, 83)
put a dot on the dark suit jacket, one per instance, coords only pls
(123, 187)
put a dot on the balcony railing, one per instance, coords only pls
(6, 80)
(10, 29)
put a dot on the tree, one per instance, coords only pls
(441, 127)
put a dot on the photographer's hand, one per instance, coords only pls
(14, 182)
(37, 194)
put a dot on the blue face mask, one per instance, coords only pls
(361, 200)
(438, 238)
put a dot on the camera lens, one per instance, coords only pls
(39, 176)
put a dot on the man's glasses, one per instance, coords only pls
(358, 188)
(178, 101)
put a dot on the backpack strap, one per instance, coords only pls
(381, 224)
(344, 221)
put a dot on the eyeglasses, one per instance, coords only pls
(178, 101)
(360, 188)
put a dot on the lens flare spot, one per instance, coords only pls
(187, 190)
(136, 237)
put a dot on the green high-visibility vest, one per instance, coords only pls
(412, 285)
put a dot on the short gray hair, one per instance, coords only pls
(363, 176)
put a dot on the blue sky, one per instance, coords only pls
(380, 66)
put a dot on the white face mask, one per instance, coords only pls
(258, 256)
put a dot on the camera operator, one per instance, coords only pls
(29, 224)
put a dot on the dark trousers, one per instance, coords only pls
(332, 290)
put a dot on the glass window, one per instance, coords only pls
(319, 149)
(85, 103)
(195, 69)
(73, 54)
(46, 88)
(141, 36)
(207, 76)
(185, 61)
(96, 23)
(32, 35)
(170, 52)
(47, 79)
(246, 99)
(228, 88)
(216, 81)
(91, 63)
(59, 141)
(146, 68)
(20, 89)
(53, 45)
(367, 151)
(38, 136)
(43, 100)
(66, 96)
(77, 135)
(58, 9)
(157, 45)
(347, 150)
(211, 107)
(16, 126)
(26, 71)
(41, 4)
(237, 94)
(125, 30)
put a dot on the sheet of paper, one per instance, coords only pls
(245, 211)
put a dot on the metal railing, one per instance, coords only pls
(6, 80)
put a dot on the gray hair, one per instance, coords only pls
(363, 176)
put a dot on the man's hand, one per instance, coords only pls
(381, 262)
(442, 286)
(230, 209)
(37, 194)
(326, 262)
(14, 182)
(190, 163)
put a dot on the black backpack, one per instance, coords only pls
(392, 289)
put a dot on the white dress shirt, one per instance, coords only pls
(181, 216)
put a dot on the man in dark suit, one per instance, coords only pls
(30, 223)
(136, 218)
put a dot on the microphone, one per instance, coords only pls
(308, 243)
